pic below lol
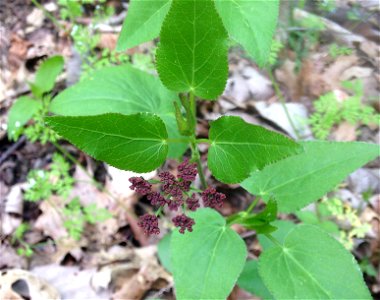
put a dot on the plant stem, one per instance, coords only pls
(159, 210)
(252, 206)
(273, 239)
(282, 101)
(201, 175)
(194, 148)
(200, 141)
(76, 162)
(48, 14)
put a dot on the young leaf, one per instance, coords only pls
(124, 90)
(251, 23)
(238, 148)
(261, 222)
(46, 75)
(134, 142)
(251, 281)
(299, 180)
(206, 262)
(192, 54)
(311, 265)
(20, 113)
(143, 22)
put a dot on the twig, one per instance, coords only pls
(11, 149)
(282, 101)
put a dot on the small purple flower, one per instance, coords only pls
(187, 171)
(211, 198)
(192, 203)
(184, 222)
(156, 198)
(149, 223)
(184, 185)
(140, 185)
(170, 186)
(167, 178)
(175, 203)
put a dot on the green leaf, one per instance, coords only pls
(238, 148)
(192, 54)
(134, 142)
(299, 180)
(20, 113)
(46, 75)
(259, 222)
(164, 251)
(309, 217)
(311, 265)
(283, 228)
(251, 23)
(207, 262)
(251, 281)
(143, 22)
(124, 90)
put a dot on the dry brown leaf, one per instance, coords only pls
(17, 283)
(71, 282)
(13, 206)
(276, 113)
(356, 72)
(345, 132)
(333, 73)
(9, 258)
(50, 222)
(108, 41)
(287, 76)
(17, 51)
(141, 280)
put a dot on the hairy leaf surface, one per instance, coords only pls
(206, 262)
(143, 22)
(238, 148)
(129, 142)
(192, 54)
(251, 23)
(311, 265)
(301, 179)
(124, 90)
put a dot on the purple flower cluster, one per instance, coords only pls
(211, 198)
(149, 223)
(175, 194)
(183, 222)
(187, 171)
(140, 185)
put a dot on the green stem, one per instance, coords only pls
(252, 206)
(193, 110)
(192, 119)
(159, 210)
(76, 162)
(273, 239)
(48, 14)
(200, 141)
(197, 158)
(282, 101)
